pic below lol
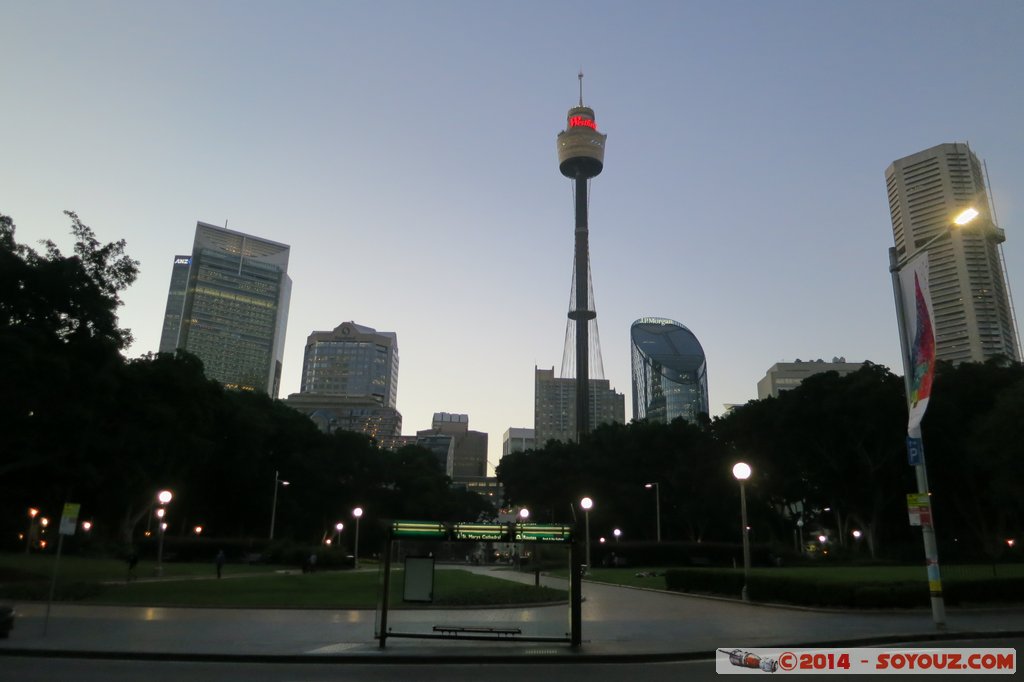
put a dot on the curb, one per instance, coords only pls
(566, 656)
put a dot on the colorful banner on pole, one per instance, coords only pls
(920, 328)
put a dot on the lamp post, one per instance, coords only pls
(931, 549)
(657, 507)
(163, 497)
(358, 513)
(617, 533)
(273, 506)
(742, 472)
(338, 527)
(32, 514)
(587, 503)
(524, 514)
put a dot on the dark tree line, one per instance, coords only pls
(80, 423)
(830, 453)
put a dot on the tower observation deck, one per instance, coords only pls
(580, 158)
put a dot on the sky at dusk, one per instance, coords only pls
(406, 153)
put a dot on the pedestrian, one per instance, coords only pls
(220, 562)
(133, 561)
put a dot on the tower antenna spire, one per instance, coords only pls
(581, 86)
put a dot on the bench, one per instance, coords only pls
(456, 630)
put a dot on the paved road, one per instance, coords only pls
(23, 669)
(616, 622)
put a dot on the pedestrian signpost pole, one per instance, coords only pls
(68, 521)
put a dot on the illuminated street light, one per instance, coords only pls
(163, 497)
(198, 530)
(931, 548)
(657, 508)
(587, 503)
(273, 505)
(86, 526)
(358, 513)
(742, 472)
(32, 514)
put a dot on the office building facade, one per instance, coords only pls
(470, 447)
(971, 301)
(350, 381)
(517, 440)
(785, 376)
(554, 408)
(670, 372)
(234, 307)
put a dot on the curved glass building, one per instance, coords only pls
(670, 376)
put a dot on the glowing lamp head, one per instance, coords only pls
(524, 513)
(33, 512)
(822, 538)
(339, 526)
(87, 526)
(741, 471)
(586, 503)
(617, 533)
(164, 496)
(198, 530)
(357, 512)
(44, 522)
(966, 216)
(856, 534)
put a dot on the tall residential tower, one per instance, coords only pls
(970, 294)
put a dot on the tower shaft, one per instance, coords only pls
(582, 314)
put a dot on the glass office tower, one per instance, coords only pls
(669, 371)
(235, 308)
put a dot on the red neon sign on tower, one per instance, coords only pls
(577, 121)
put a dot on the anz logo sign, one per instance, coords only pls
(183, 261)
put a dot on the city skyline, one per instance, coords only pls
(748, 147)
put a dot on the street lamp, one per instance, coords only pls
(742, 472)
(587, 503)
(338, 527)
(358, 513)
(931, 549)
(273, 506)
(617, 533)
(657, 506)
(524, 514)
(32, 514)
(163, 497)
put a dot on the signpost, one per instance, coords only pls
(68, 523)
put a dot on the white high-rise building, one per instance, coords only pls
(970, 295)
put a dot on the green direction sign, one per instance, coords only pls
(536, 532)
(418, 529)
(485, 532)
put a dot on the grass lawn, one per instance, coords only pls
(246, 586)
(837, 574)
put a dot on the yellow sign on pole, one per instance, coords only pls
(919, 507)
(69, 518)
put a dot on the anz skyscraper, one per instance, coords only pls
(228, 305)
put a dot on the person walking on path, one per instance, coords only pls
(133, 562)
(220, 562)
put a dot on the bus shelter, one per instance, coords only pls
(412, 548)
